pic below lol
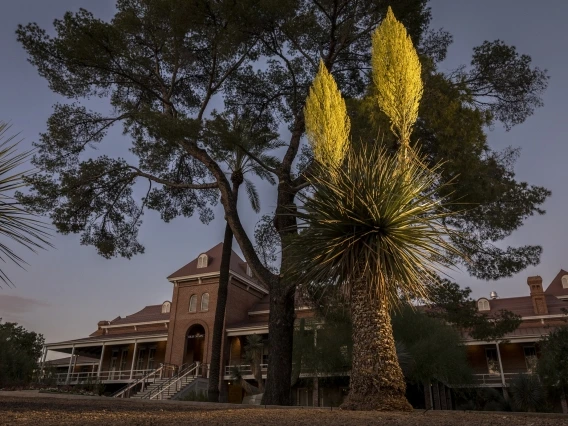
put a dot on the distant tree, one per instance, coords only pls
(20, 352)
(552, 365)
(454, 305)
(16, 222)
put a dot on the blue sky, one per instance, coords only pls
(66, 290)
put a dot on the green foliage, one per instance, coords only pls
(20, 351)
(482, 399)
(453, 305)
(368, 220)
(434, 347)
(527, 393)
(552, 366)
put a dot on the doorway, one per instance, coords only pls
(195, 344)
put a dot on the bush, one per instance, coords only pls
(527, 394)
(196, 396)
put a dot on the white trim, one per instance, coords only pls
(544, 316)
(216, 274)
(520, 339)
(133, 324)
(121, 340)
(259, 312)
(244, 331)
(563, 297)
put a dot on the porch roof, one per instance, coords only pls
(81, 360)
(149, 336)
(520, 335)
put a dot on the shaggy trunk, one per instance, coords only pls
(218, 326)
(281, 334)
(377, 382)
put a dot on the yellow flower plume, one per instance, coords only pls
(396, 74)
(327, 122)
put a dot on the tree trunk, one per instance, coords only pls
(428, 395)
(280, 334)
(436, 391)
(377, 382)
(219, 325)
(282, 296)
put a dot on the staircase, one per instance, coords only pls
(167, 388)
(151, 392)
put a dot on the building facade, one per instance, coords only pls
(178, 333)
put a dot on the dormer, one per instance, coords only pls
(483, 304)
(202, 261)
(565, 282)
(166, 306)
(249, 271)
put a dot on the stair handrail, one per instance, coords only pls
(121, 392)
(184, 371)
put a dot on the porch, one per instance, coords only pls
(114, 359)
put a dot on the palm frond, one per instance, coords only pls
(369, 220)
(252, 195)
(16, 223)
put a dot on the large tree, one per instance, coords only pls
(20, 351)
(161, 64)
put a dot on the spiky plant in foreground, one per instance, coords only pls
(16, 223)
(378, 232)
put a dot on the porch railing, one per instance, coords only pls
(113, 375)
(175, 381)
(165, 370)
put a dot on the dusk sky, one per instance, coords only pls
(66, 290)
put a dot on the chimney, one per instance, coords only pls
(537, 295)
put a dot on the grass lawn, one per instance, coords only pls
(40, 409)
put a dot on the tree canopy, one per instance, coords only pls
(164, 65)
(20, 351)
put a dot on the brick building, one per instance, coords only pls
(177, 334)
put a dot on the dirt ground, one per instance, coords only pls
(45, 410)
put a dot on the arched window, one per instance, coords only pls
(565, 281)
(193, 303)
(202, 261)
(483, 304)
(205, 302)
(249, 271)
(166, 307)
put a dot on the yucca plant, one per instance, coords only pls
(16, 224)
(379, 234)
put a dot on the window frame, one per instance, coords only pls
(202, 261)
(193, 297)
(483, 305)
(166, 307)
(204, 297)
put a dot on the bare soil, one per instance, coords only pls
(65, 410)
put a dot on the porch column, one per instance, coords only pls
(133, 358)
(70, 364)
(500, 364)
(101, 361)
(42, 365)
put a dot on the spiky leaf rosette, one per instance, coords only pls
(327, 122)
(16, 223)
(396, 75)
(368, 220)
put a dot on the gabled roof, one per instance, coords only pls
(148, 314)
(523, 306)
(214, 255)
(555, 287)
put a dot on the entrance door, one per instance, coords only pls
(195, 344)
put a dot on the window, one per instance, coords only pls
(530, 358)
(193, 303)
(565, 281)
(205, 302)
(123, 359)
(151, 356)
(492, 361)
(483, 304)
(202, 261)
(249, 271)
(166, 307)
